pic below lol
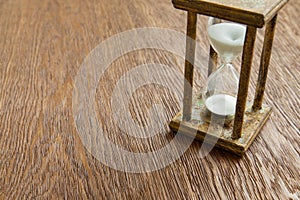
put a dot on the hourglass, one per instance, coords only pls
(225, 92)
(221, 90)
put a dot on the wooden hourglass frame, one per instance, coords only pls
(247, 123)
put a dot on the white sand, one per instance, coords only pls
(227, 38)
(221, 104)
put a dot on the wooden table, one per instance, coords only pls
(42, 156)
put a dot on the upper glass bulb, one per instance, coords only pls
(227, 38)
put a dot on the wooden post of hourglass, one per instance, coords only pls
(213, 61)
(189, 64)
(244, 82)
(213, 56)
(262, 76)
(264, 64)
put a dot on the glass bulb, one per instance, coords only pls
(221, 89)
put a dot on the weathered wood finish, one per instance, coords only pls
(189, 64)
(249, 12)
(244, 81)
(264, 64)
(43, 44)
(218, 134)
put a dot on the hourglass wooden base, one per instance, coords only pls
(201, 129)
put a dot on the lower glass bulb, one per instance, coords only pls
(221, 89)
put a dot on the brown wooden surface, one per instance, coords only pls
(43, 44)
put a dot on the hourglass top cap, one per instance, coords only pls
(249, 12)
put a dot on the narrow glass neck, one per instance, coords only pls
(227, 59)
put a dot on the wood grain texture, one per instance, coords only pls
(43, 44)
